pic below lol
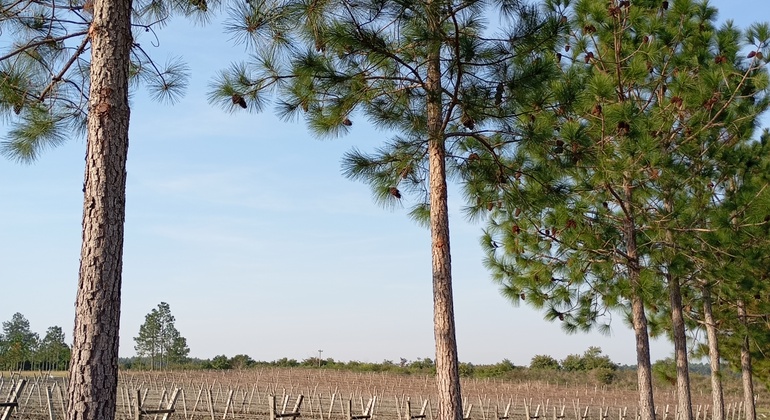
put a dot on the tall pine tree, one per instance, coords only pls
(609, 179)
(432, 72)
(65, 74)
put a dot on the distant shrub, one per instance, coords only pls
(494, 371)
(466, 370)
(590, 360)
(605, 375)
(221, 362)
(543, 361)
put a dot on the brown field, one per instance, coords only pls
(244, 394)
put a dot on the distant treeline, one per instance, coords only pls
(591, 362)
(22, 349)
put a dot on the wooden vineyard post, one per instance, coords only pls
(409, 415)
(505, 415)
(167, 412)
(49, 395)
(8, 406)
(292, 415)
(367, 412)
(467, 414)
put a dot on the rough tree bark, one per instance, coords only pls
(748, 382)
(447, 371)
(717, 394)
(94, 362)
(639, 318)
(684, 399)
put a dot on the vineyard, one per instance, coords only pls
(340, 395)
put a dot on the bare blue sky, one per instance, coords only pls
(246, 227)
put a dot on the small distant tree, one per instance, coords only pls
(594, 359)
(17, 343)
(590, 360)
(159, 340)
(543, 361)
(53, 352)
(221, 362)
(573, 362)
(241, 361)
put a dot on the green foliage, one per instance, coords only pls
(22, 349)
(665, 371)
(573, 362)
(329, 66)
(53, 352)
(44, 68)
(221, 362)
(605, 376)
(159, 340)
(466, 370)
(628, 167)
(497, 370)
(591, 360)
(242, 361)
(17, 343)
(544, 361)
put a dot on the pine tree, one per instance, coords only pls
(53, 352)
(17, 343)
(431, 71)
(65, 74)
(159, 340)
(735, 265)
(611, 178)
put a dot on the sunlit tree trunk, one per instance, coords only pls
(639, 318)
(94, 362)
(748, 382)
(717, 394)
(447, 371)
(684, 400)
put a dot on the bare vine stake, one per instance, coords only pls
(26, 401)
(162, 398)
(331, 404)
(481, 405)
(195, 406)
(49, 396)
(244, 394)
(184, 403)
(211, 403)
(123, 391)
(228, 404)
(251, 397)
(61, 398)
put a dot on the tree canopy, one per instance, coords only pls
(159, 340)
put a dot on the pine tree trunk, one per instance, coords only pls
(639, 318)
(94, 362)
(643, 364)
(748, 383)
(717, 394)
(447, 371)
(684, 399)
(683, 396)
